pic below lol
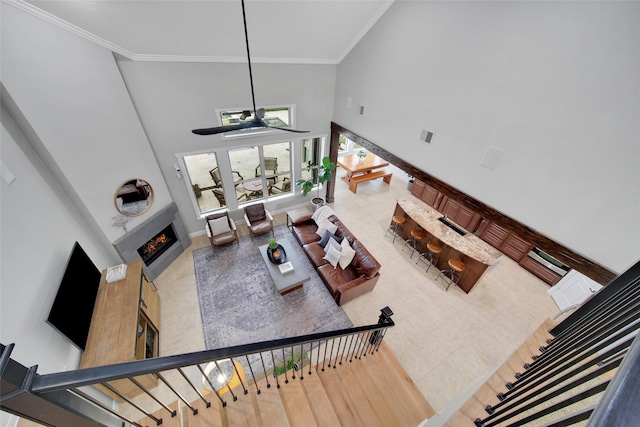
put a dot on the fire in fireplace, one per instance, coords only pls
(159, 243)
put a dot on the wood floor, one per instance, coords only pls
(373, 391)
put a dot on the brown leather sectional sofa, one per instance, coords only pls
(360, 276)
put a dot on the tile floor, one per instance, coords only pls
(447, 341)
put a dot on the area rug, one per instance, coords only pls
(239, 303)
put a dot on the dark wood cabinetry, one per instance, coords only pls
(508, 243)
(476, 254)
(544, 273)
(460, 214)
(494, 234)
(418, 188)
(515, 248)
(427, 194)
(432, 197)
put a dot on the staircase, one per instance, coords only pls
(585, 369)
(372, 391)
(486, 394)
(345, 377)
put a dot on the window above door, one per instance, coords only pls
(281, 116)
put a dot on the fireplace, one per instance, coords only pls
(157, 245)
(158, 241)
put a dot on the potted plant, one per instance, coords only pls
(410, 182)
(361, 156)
(275, 252)
(322, 174)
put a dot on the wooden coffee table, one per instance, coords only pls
(286, 282)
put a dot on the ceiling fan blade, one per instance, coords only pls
(228, 128)
(258, 115)
(287, 129)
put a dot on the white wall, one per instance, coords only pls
(39, 226)
(174, 98)
(72, 95)
(72, 138)
(553, 84)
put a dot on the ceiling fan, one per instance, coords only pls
(258, 115)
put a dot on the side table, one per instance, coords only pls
(298, 215)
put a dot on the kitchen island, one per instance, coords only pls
(470, 249)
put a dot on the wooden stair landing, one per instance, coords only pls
(374, 391)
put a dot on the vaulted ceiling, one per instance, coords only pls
(301, 31)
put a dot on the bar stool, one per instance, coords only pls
(434, 248)
(417, 234)
(457, 267)
(396, 223)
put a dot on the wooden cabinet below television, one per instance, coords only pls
(125, 327)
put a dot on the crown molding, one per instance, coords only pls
(60, 23)
(45, 16)
(231, 59)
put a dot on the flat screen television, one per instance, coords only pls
(72, 308)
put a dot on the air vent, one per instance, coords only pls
(426, 136)
(492, 157)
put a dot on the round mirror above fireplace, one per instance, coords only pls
(133, 197)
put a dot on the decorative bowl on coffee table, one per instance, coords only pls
(277, 255)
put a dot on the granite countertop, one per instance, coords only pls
(469, 244)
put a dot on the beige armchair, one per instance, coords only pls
(258, 219)
(221, 229)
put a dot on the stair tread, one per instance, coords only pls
(406, 390)
(206, 417)
(364, 392)
(239, 412)
(271, 411)
(387, 406)
(369, 414)
(296, 404)
(339, 398)
(319, 402)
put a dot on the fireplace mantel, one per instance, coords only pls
(127, 246)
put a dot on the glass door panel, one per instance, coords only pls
(206, 181)
(244, 163)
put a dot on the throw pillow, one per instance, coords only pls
(219, 226)
(325, 225)
(332, 243)
(325, 238)
(319, 214)
(347, 254)
(333, 256)
(328, 236)
(255, 213)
